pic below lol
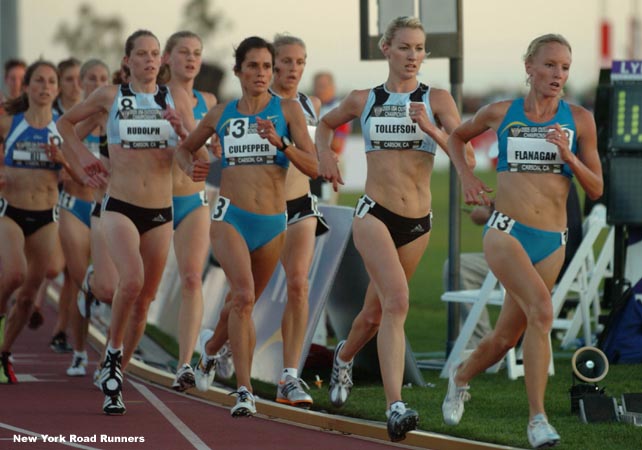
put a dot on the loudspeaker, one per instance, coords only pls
(590, 364)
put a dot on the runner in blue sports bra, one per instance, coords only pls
(137, 211)
(249, 216)
(402, 124)
(183, 56)
(543, 141)
(28, 212)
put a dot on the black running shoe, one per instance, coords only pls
(111, 375)
(400, 421)
(59, 343)
(114, 405)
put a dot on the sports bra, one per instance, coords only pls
(522, 142)
(24, 145)
(386, 125)
(240, 139)
(136, 119)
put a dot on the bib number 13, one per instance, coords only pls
(501, 222)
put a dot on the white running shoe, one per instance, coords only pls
(78, 366)
(184, 378)
(245, 403)
(290, 392)
(225, 362)
(453, 405)
(340, 380)
(206, 366)
(541, 434)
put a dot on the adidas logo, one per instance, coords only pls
(418, 229)
(159, 218)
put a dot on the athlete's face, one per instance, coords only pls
(95, 77)
(185, 58)
(13, 81)
(256, 70)
(70, 90)
(144, 59)
(324, 88)
(288, 66)
(406, 52)
(548, 69)
(43, 86)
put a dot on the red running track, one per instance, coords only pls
(48, 402)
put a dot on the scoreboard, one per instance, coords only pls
(624, 158)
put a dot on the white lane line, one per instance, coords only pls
(191, 437)
(39, 436)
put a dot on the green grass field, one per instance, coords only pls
(498, 411)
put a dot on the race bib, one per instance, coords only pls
(500, 222)
(66, 200)
(219, 210)
(392, 129)
(144, 128)
(243, 145)
(364, 205)
(528, 151)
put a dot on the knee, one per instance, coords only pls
(102, 290)
(13, 279)
(130, 287)
(504, 342)
(191, 281)
(396, 305)
(371, 318)
(243, 302)
(298, 288)
(541, 317)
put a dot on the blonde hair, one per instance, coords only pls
(542, 40)
(283, 39)
(396, 25)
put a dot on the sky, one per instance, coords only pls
(496, 35)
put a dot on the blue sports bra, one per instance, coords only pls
(24, 145)
(522, 142)
(240, 139)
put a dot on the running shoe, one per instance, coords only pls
(88, 304)
(184, 378)
(341, 379)
(541, 434)
(111, 375)
(453, 405)
(36, 319)
(59, 343)
(78, 366)
(225, 362)
(290, 392)
(97, 377)
(114, 405)
(401, 420)
(7, 375)
(245, 403)
(206, 366)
